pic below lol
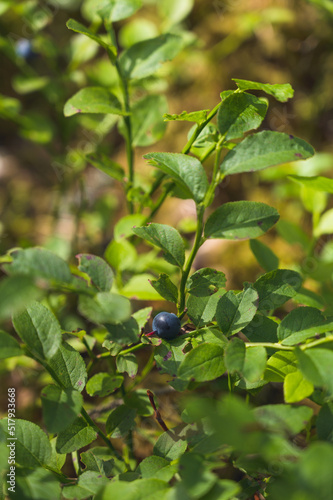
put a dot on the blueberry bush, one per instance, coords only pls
(82, 328)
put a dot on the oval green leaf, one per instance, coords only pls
(239, 220)
(185, 170)
(203, 363)
(265, 149)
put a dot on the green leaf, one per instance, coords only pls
(39, 329)
(26, 84)
(309, 298)
(296, 387)
(205, 282)
(157, 467)
(185, 170)
(127, 363)
(316, 182)
(169, 355)
(30, 485)
(102, 460)
(165, 237)
(201, 310)
(302, 323)
(170, 446)
(276, 287)
(234, 355)
(75, 436)
(139, 489)
(203, 363)
(249, 362)
(224, 489)
(241, 220)
(16, 293)
(324, 422)
(9, 347)
(164, 286)
(196, 478)
(121, 255)
(325, 224)
(103, 384)
(105, 307)
(264, 149)
(93, 100)
(123, 228)
(32, 446)
(60, 407)
(281, 92)
(264, 255)
(88, 484)
(139, 288)
(317, 366)
(307, 478)
(255, 363)
(194, 116)
(116, 10)
(69, 366)
(139, 401)
(142, 316)
(120, 421)
(39, 263)
(285, 418)
(79, 28)
(293, 234)
(126, 332)
(240, 113)
(97, 269)
(144, 58)
(208, 136)
(174, 11)
(106, 165)
(261, 329)
(234, 312)
(147, 125)
(279, 365)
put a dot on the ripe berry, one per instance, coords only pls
(166, 325)
(24, 49)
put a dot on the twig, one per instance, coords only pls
(157, 414)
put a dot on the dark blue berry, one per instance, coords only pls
(166, 325)
(24, 49)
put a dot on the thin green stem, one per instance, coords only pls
(314, 343)
(159, 202)
(199, 128)
(196, 245)
(268, 344)
(131, 349)
(101, 434)
(304, 347)
(127, 119)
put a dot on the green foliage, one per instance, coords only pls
(81, 324)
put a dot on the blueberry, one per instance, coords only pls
(166, 325)
(24, 49)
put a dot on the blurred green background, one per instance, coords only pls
(51, 196)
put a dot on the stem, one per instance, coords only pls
(127, 119)
(268, 344)
(159, 202)
(131, 349)
(128, 138)
(101, 434)
(188, 265)
(199, 128)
